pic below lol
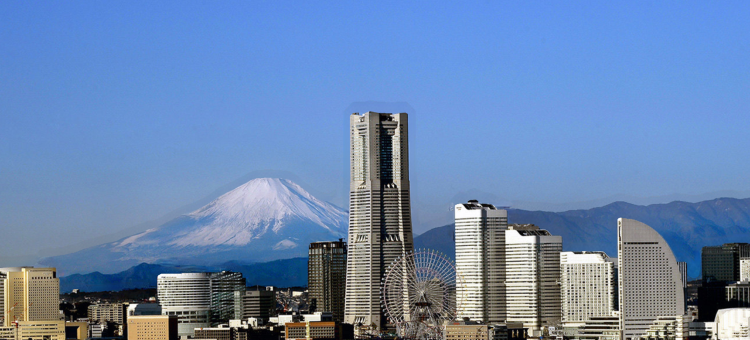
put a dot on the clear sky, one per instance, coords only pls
(116, 113)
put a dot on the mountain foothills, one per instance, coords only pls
(262, 220)
(263, 227)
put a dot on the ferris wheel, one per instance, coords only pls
(419, 294)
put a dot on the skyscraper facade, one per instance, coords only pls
(223, 285)
(722, 263)
(532, 262)
(480, 261)
(650, 282)
(379, 210)
(326, 277)
(30, 294)
(198, 299)
(588, 285)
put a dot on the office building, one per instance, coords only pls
(588, 285)
(104, 312)
(720, 266)
(650, 284)
(198, 299)
(532, 258)
(30, 294)
(260, 304)
(320, 330)
(153, 327)
(467, 331)
(722, 263)
(326, 278)
(379, 210)
(480, 261)
(76, 330)
(745, 269)
(600, 328)
(737, 295)
(223, 286)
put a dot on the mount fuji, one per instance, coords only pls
(262, 220)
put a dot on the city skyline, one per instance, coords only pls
(116, 115)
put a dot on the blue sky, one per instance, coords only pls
(116, 113)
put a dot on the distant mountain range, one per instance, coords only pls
(262, 220)
(279, 273)
(268, 219)
(687, 227)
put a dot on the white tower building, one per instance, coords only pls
(480, 261)
(650, 284)
(588, 285)
(379, 210)
(532, 258)
(187, 296)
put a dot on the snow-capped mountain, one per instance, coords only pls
(264, 219)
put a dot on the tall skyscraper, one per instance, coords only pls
(379, 210)
(326, 277)
(480, 261)
(650, 282)
(532, 262)
(588, 283)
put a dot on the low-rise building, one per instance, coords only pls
(737, 294)
(601, 328)
(152, 327)
(106, 312)
(318, 330)
(732, 323)
(77, 330)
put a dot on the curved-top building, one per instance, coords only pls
(650, 284)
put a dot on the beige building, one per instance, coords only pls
(314, 330)
(152, 327)
(466, 332)
(106, 312)
(81, 330)
(29, 294)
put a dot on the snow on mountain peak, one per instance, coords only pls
(255, 208)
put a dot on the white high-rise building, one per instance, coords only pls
(188, 297)
(745, 269)
(480, 261)
(199, 299)
(379, 210)
(588, 285)
(532, 262)
(650, 283)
